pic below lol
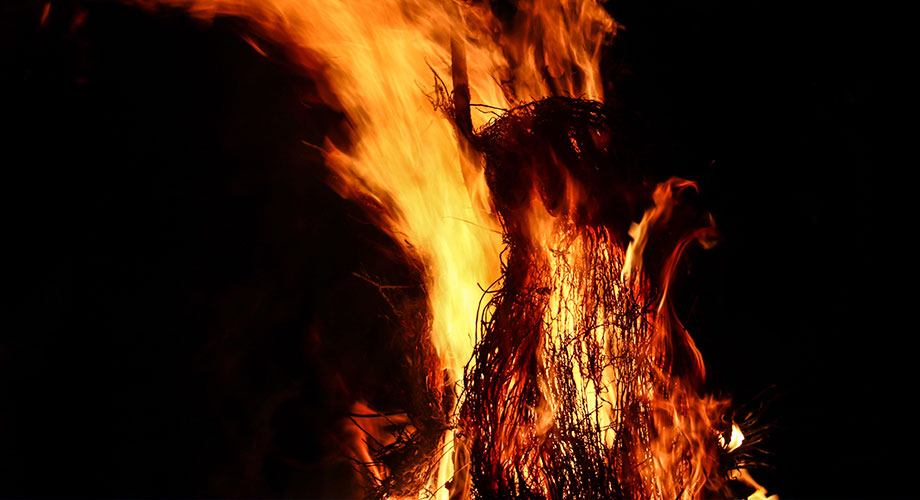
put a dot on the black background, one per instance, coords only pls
(184, 320)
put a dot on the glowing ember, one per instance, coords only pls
(579, 381)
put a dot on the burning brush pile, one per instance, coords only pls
(548, 361)
(577, 387)
(583, 383)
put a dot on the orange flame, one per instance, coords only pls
(380, 60)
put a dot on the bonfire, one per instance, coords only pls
(548, 359)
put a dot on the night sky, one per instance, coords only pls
(184, 318)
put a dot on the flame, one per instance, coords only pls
(367, 430)
(380, 58)
(382, 62)
(760, 493)
(623, 373)
(734, 441)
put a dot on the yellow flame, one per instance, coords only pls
(734, 441)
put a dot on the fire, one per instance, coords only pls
(581, 367)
